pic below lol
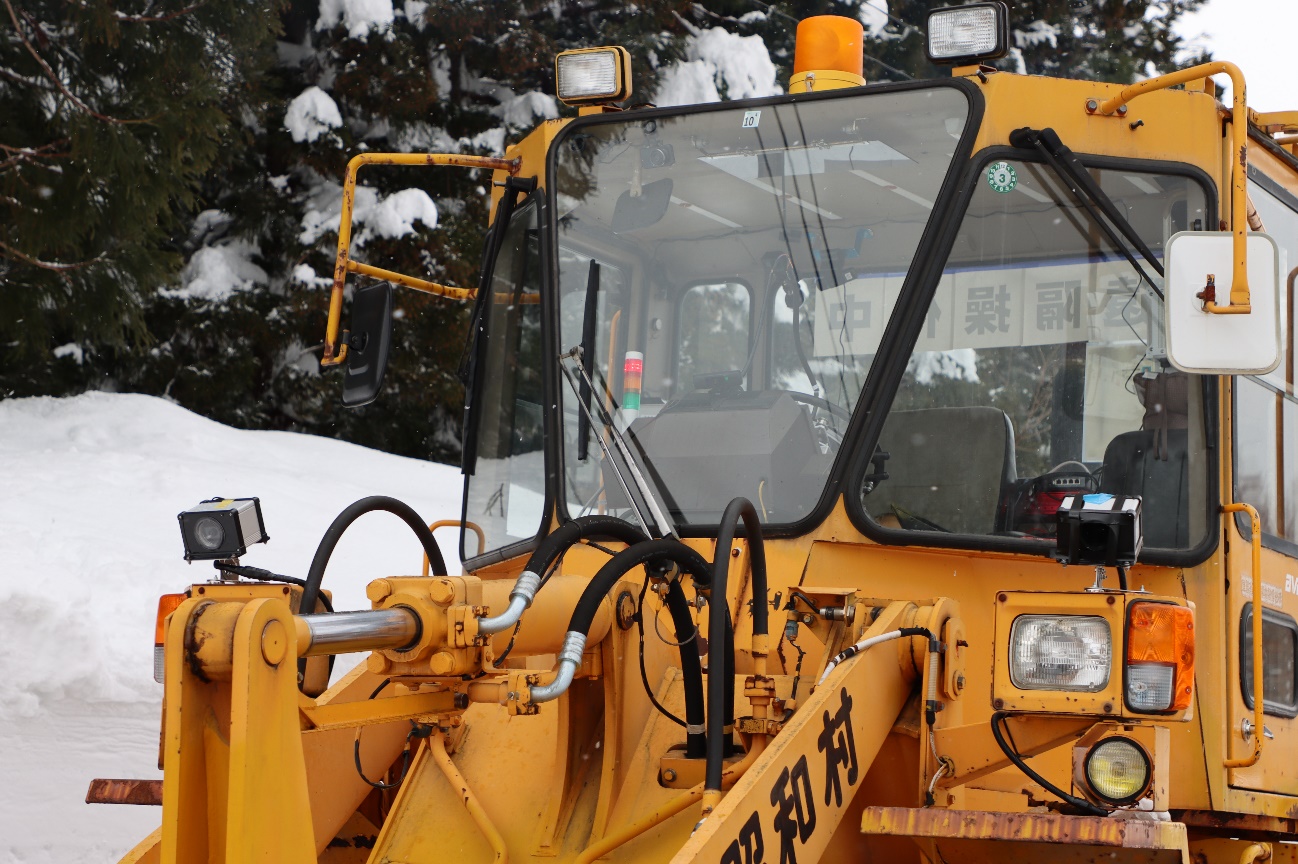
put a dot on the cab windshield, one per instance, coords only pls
(705, 268)
(1040, 373)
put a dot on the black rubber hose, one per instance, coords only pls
(721, 688)
(353, 512)
(558, 540)
(1085, 806)
(696, 738)
(583, 615)
(691, 668)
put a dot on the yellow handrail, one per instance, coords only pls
(1239, 293)
(335, 353)
(1258, 705)
(447, 523)
(437, 746)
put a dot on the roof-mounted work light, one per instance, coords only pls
(592, 76)
(961, 35)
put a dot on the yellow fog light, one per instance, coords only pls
(589, 76)
(1118, 770)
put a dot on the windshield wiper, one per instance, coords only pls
(1074, 175)
(655, 523)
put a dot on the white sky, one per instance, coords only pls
(1252, 34)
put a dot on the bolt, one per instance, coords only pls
(959, 683)
(806, 619)
(734, 553)
(378, 664)
(378, 589)
(1122, 110)
(442, 592)
(1002, 597)
(1092, 106)
(512, 696)
(1112, 599)
(1136, 125)
(1108, 708)
(998, 704)
(441, 663)
(669, 775)
(274, 642)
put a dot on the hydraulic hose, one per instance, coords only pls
(549, 550)
(721, 688)
(601, 584)
(696, 739)
(353, 512)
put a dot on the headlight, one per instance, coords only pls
(591, 75)
(222, 528)
(1060, 652)
(1118, 770)
(968, 34)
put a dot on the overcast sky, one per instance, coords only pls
(1251, 34)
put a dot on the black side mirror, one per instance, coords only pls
(368, 342)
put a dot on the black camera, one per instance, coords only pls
(1099, 529)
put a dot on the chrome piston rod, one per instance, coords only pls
(346, 632)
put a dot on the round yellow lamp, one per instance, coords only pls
(827, 54)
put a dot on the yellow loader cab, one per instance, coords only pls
(900, 472)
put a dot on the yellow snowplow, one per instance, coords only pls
(897, 472)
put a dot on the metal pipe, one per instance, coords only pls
(345, 632)
(574, 645)
(520, 598)
(1239, 293)
(1255, 852)
(437, 746)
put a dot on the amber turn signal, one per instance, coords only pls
(167, 604)
(1160, 657)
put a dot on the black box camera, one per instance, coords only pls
(1099, 529)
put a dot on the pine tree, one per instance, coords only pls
(110, 115)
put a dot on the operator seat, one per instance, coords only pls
(947, 467)
(1154, 461)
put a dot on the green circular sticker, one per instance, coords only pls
(1002, 177)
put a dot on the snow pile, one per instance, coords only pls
(93, 486)
(360, 17)
(720, 65)
(311, 114)
(216, 272)
(390, 217)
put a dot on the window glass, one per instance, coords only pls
(1279, 653)
(714, 332)
(505, 489)
(1039, 374)
(1255, 449)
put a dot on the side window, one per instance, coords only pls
(505, 490)
(1279, 661)
(1266, 406)
(713, 332)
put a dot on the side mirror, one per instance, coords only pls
(368, 342)
(1206, 343)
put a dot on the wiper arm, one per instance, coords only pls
(1074, 175)
(655, 523)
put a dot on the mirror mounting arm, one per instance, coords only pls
(1239, 292)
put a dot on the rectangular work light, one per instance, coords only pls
(968, 34)
(589, 76)
(222, 528)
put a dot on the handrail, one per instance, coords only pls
(437, 746)
(1239, 293)
(1258, 706)
(334, 352)
(447, 523)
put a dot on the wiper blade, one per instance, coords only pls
(1074, 175)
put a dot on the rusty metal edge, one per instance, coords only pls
(1023, 827)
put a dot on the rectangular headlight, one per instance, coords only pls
(1060, 652)
(968, 34)
(222, 528)
(590, 75)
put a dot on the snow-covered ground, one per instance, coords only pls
(89, 540)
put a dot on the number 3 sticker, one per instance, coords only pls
(1002, 177)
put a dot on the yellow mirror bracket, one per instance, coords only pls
(1239, 293)
(1258, 699)
(334, 351)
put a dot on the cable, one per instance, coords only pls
(266, 576)
(1085, 806)
(852, 650)
(417, 730)
(644, 675)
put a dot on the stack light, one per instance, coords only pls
(1061, 652)
(1118, 770)
(1160, 657)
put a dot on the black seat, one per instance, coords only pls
(1134, 465)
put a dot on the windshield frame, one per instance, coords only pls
(905, 329)
(934, 231)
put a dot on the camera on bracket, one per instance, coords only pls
(1099, 529)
